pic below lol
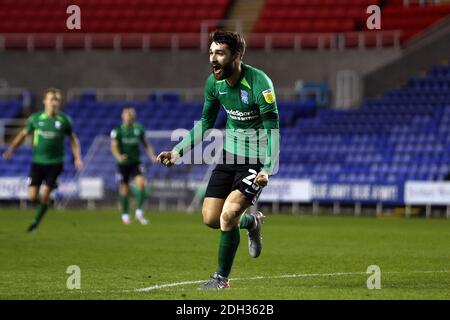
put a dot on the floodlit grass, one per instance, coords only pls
(304, 257)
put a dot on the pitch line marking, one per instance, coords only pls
(300, 275)
(177, 284)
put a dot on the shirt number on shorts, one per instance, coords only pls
(250, 178)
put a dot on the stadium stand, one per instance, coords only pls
(140, 24)
(411, 19)
(328, 17)
(100, 16)
(404, 135)
(105, 19)
(10, 109)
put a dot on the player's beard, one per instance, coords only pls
(225, 72)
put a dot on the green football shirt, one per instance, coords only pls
(252, 128)
(129, 139)
(48, 136)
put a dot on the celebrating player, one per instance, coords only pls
(248, 97)
(49, 129)
(125, 141)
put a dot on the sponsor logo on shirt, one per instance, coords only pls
(242, 115)
(130, 141)
(49, 134)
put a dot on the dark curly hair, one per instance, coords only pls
(234, 40)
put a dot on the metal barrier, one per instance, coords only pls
(197, 41)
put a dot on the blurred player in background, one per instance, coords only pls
(49, 127)
(125, 141)
(248, 97)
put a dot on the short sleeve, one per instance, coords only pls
(69, 126)
(29, 125)
(114, 134)
(265, 95)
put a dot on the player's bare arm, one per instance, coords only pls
(150, 151)
(115, 151)
(18, 140)
(76, 151)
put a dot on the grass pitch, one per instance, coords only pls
(304, 257)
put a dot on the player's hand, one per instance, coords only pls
(168, 158)
(122, 158)
(262, 179)
(78, 164)
(8, 154)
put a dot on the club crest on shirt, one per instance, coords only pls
(58, 124)
(244, 96)
(136, 132)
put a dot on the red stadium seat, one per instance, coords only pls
(322, 16)
(115, 16)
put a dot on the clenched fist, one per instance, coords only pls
(168, 158)
(262, 179)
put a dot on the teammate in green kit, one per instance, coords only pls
(125, 142)
(252, 135)
(49, 128)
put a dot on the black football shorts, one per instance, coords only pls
(228, 177)
(127, 172)
(44, 173)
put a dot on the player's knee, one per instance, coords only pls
(228, 216)
(44, 199)
(124, 189)
(33, 200)
(140, 182)
(210, 220)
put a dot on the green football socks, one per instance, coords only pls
(125, 204)
(247, 221)
(140, 198)
(229, 242)
(41, 209)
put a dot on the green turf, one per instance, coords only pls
(176, 247)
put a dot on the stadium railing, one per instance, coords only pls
(197, 41)
(406, 3)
